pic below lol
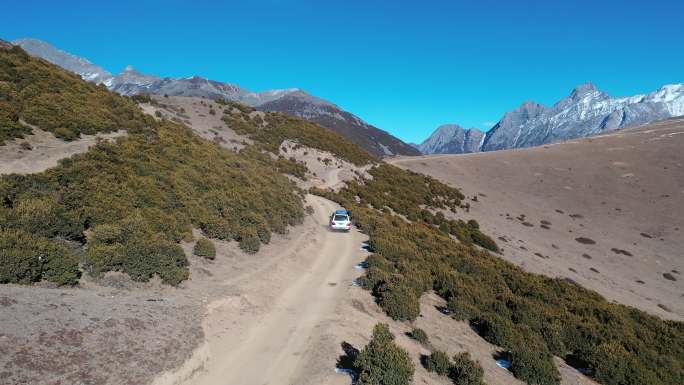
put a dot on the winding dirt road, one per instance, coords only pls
(270, 331)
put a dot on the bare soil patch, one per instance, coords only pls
(42, 150)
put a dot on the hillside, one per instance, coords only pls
(622, 192)
(538, 321)
(291, 101)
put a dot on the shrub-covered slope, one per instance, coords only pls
(533, 317)
(125, 205)
(270, 129)
(39, 93)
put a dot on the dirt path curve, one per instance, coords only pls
(269, 332)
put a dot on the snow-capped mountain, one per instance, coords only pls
(293, 101)
(586, 111)
(452, 139)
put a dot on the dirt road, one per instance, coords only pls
(266, 334)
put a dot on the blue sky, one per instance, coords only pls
(405, 67)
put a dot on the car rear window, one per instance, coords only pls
(340, 218)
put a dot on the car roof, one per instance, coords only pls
(341, 212)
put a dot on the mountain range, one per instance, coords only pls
(292, 101)
(586, 111)
(452, 139)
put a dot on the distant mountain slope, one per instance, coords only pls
(292, 101)
(587, 111)
(452, 139)
(373, 139)
(87, 70)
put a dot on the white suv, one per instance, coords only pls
(340, 220)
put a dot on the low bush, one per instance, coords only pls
(204, 248)
(26, 258)
(399, 302)
(495, 329)
(132, 246)
(382, 362)
(465, 371)
(419, 335)
(531, 360)
(437, 362)
(249, 241)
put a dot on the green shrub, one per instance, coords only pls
(437, 362)
(495, 329)
(249, 241)
(531, 360)
(204, 248)
(465, 371)
(142, 98)
(483, 240)
(292, 167)
(399, 302)
(27, 258)
(461, 308)
(419, 335)
(382, 362)
(618, 366)
(133, 247)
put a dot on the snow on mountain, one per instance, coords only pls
(586, 111)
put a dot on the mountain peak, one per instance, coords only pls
(452, 139)
(446, 129)
(583, 89)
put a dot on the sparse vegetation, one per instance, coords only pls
(270, 131)
(585, 241)
(437, 362)
(462, 371)
(533, 317)
(136, 198)
(465, 371)
(382, 362)
(416, 197)
(41, 94)
(204, 248)
(419, 335)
